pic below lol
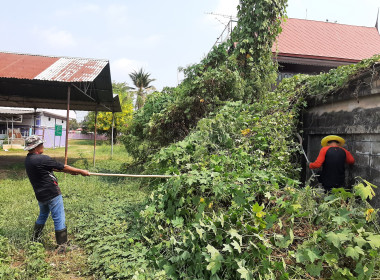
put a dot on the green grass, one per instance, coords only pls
(85, 200)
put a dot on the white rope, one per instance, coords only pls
(131, 175)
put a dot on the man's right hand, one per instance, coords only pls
(85, 173)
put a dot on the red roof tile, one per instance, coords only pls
(327, 40)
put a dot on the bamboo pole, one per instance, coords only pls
(131, 175)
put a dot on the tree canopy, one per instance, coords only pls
(122, 119)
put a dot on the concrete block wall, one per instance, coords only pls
(354, 115)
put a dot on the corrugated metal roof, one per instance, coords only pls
(13, 111)
(36, 81)
(73, 70)
(64, 69)
(327, 40)
(23, 66)
(17, 111)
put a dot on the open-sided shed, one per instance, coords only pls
(36, 81)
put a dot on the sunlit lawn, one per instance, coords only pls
(83, 196)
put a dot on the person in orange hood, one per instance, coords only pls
(332, 158)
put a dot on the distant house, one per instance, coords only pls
(311, 47)
(18, 123)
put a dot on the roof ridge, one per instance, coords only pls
(54, 56)
(331, 22)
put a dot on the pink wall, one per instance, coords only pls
(80, 136)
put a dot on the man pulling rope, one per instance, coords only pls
(40, 169)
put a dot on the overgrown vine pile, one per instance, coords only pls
(235, 210)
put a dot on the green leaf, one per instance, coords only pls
(314, 270)
(360, 241)
(364, 191)
(234, 234)
(178, 222)
(301, 257)
(331, 259)
(374, 240)
(344, 217)
(227, 248)
(215, 260)
(239, 199)
(214, 266)
(354, 252)
(284, 241)
(313, 254)
(169, 270)
(369, 184)
(361, 271)
(200, 231)
(256, 208)
(244, 273)
(338, 238)
(236, 246)
(185, 255)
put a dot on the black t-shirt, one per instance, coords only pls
(333, 168)
(40, 172)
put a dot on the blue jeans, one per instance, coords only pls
(55, 206)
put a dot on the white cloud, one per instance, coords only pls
(56, 38)
(122, 67)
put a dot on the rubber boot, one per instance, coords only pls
(37, 232)
(61, 238)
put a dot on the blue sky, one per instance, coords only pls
(159, 36)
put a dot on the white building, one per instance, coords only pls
(18, 123)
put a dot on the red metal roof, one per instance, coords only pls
(35, 81)
(327, 40)
(59, 69)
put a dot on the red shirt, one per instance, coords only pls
(322, 154)
(333, 160)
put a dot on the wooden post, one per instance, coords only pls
(96, 118)
(113, 124)
(55, 123)
(7, 131)
(34, 121)
(12, 134)
(67, 123)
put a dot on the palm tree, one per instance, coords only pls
(142, 82)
